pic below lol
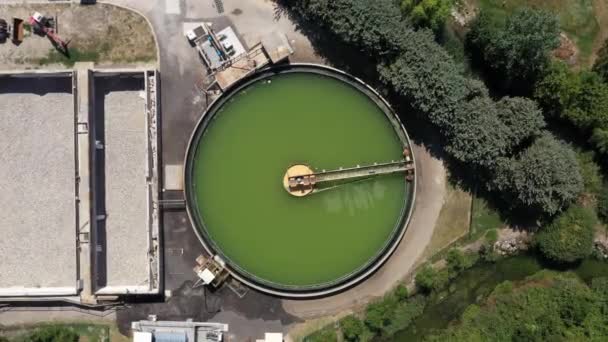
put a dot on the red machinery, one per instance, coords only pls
(41, 24)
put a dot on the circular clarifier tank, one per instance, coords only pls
(236, 177)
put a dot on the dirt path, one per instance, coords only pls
(601, 13)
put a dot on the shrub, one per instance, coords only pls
(352, 328)
(401, 293)
(53, 333)
(457, 261)
(427, 13)
(327, 334)
(570, 236)
(429, 279)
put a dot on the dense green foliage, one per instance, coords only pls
(389, 315)
(544, 307)
(540, 178)
(601, 63)
(427, 13)
(580, 97)
(484, 131)
(591, 173)
(52, 333)
(352, 328)
(517, 49)
(327, 334)
(570, 236)
(478, 131)
(430, 279)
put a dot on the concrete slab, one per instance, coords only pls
(173, 177)
(121, 114)
(37, 178)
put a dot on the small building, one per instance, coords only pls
(171, 331)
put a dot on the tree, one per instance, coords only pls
(601, 63)
(523, 119)
(478, 136)
(352, 328)
(544, 178)
(427, 13)
(518, 49)
(570, 236)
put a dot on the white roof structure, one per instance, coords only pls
(207, 276)
(272, 337)
(142, 336)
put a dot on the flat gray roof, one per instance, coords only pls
(126, 188)
(37, 182)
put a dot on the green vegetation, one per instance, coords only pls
(576, 17)
(516, 51)
(353, 329)
(545, 307)
(423, 75)
(427, 13)
(429, 278)
(540, 177)
(59, 333)
(485, 219)
(570, 236)
(580, 98)
(382, 318)
(591, 173)
(75, 55)
(601, 63)
(327, 334)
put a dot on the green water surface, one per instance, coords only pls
(244, 153)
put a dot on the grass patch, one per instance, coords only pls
(453, 221)
(75, 55)
(484, 220)
(86, 332)
(577, 18)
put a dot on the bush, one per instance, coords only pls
(352, 328)
(327, 334)
(429, 279)
(457, 261)
(53, 334)
(591, 172)
(427, 13)
(570, 236)
(401, 293)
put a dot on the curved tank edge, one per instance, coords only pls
(352, 279)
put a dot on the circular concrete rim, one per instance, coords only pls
(358, 275)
